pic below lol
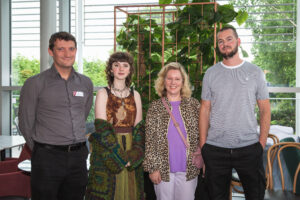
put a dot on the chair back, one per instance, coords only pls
(289, 156)
(275, 140)
(25, 153)
(276, 150)
(14, 182)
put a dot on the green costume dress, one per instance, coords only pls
(115, 143)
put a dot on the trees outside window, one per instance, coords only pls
(273, 26)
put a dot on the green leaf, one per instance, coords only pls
(244, 53)
(156, 57)
(225, 13)
(241, 17)
(173, 25)
(164, 2)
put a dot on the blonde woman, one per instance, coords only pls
(167, 159)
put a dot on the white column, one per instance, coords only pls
(64, 15)
(5, 48)
(298, 70)
(47, 27)
(5, 56)
(79, 34)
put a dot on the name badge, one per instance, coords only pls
(78, 94)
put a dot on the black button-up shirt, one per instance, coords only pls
(53, 110)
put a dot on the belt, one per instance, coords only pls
(123, 129)
(65, 148)
(230, 150)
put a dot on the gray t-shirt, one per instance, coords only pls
(233, 92)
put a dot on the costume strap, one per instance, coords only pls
(175, 123)
(132, 90)
(107, 90)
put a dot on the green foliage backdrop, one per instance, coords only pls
(192, 31)
(23, 68)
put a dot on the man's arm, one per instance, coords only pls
(27, 111)
(204, 121)
(265, 119)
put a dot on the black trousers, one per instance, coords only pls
(247, 161)
(58, 175)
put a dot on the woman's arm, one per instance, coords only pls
(138, 103)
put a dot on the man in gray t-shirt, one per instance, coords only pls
(228, 125)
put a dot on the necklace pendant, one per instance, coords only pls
(123, 103)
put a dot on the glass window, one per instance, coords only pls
(268, 37)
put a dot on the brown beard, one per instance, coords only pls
(226, 56)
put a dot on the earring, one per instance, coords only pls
(112, 74)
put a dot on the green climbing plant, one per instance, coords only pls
(192, 30)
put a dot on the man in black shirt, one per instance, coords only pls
(54, 106)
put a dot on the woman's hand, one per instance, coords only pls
(127, 165)
(155, 177)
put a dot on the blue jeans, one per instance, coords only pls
(58, 175)
(247, 161)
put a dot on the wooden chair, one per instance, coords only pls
(272, 158)
(235, 181)
(278, 149)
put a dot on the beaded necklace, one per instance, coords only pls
(120, 92)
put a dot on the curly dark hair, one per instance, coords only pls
(119, 57)
(61, 36)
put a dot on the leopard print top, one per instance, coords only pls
(156, 141)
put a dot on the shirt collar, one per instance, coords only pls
(232, 67)
(54, 72)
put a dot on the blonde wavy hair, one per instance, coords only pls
(160, 81)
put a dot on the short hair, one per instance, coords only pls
(160, 81)
(229, 28)
(62, 35)
(119, 57)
